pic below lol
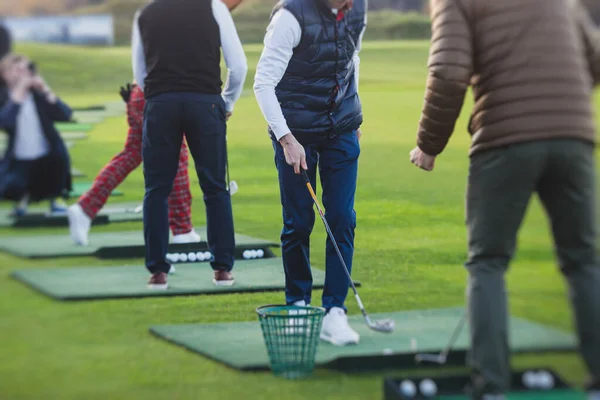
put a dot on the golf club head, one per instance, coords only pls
(383, 325)
(233, 187)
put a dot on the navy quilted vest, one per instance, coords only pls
(318, 93)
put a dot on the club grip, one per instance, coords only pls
(305, 176)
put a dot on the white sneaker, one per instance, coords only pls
(190, 237)
(79, 224)
(336, 329)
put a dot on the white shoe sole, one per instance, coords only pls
(327, 338)
(158, 287)
(223, 283)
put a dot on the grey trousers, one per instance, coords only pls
(501, 184)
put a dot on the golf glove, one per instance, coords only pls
(126, 92)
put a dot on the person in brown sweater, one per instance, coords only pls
(532, 66)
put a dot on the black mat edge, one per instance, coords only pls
(456, 358)
(62, 221)
(460, 384)
(39, 220)
(138, 251)
(90, 108)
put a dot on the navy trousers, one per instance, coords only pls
(202, 118)
(337, 160)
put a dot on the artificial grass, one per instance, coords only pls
(241, 345)
(410, 247)
(123, 282)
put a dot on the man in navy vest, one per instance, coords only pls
(176, 61)
(307, 87)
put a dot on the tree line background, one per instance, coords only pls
(389, 19)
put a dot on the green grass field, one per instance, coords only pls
(410, 247)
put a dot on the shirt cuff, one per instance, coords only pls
(229, 105)
(280, 130)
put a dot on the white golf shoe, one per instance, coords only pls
(336, 329)
(79, 224)
(190, 237)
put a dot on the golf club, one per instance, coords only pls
(232, 185)
(386, 325)
(442, 357)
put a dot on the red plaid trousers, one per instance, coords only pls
(115, 172)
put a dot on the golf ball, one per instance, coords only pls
(172, 270)
(207, 255)
(388, 352)
(192, 257)
(408, 388)
(545, 380)
(174, 257)
(200, 256)
(253, 254)
(169, 257)
(183, 257)
(529, 379)
(246, 254)
(260, 253)
(428, 388)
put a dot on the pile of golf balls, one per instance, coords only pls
(540, 380)
(251, 254)
(189, 257)
(427, 388)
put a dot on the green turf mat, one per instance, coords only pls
(38, 217)
(73, 127)
(79, 188)
(75, 173)
(88, 119)
(110, 245)
(241, 345)
(87, 283)
(74, 135)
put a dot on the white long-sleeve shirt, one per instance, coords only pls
(283, 35)
(30, 142)
(233, 53)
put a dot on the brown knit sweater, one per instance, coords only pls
(532, 65)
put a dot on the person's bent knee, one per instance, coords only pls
(487, 265)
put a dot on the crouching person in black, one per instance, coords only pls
(36, 164)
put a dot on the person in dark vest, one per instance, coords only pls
(532, 72)
(5, 40)
(307, 87)
(36, 165)
(176, 48)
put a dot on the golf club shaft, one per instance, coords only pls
(335, 245)
(227, 167)
(455, 335)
